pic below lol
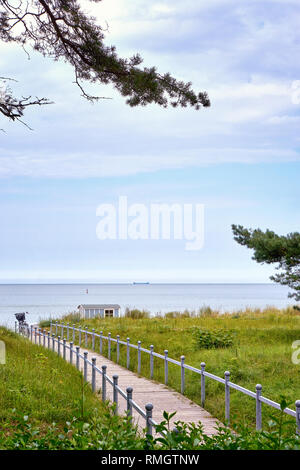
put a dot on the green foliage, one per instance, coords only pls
(209, 339)
(103, 431)
(136, 313)
(271, 248)
(110, 432)
(202, 312)
(45, 322)
(191, 436)
(36, 382)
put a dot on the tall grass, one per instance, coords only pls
(39, 384)
(136, 313)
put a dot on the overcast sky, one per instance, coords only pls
(240, 158)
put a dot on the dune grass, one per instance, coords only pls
(260, 353)
(37, 383)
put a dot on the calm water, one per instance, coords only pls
(44, 300)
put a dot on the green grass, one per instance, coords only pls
(39, 384)
(45, 404)
(261, 353)
(38, 388)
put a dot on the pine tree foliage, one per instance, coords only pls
(284, 251)
(60, 30)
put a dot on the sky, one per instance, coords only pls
(239, 158)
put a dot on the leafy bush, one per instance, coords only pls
(209, 339)
(110, 432)
(101, 432)
(190, 436)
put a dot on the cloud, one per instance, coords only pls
(241, 53)
(89, 165)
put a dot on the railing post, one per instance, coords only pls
(202, 384)
(79, 335)
(62, 329)
(149, 409)
(101, 341)
(128, 353)
(16, 326)
(93, 339)
(166, 366)
(93, 374)
(71, 352)
(44, 338)
(227, 397)
(68, 326)
(104, 383)
(48, 339)
(151, 361)
(109, 345)
(40, 336)
(118, 348)
(53, 342)
(182, 375)
(298, 416)
(115, 393)
(50, 327)
(58, 345)
(77, 357)
(73, 332)
(129, 391)
(56, 328)
(35, 328)
(139, 357)
(31, 332)
(64, 348)
(258, 407)
(86, 336)
(85, 355)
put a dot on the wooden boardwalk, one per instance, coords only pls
(146, 391)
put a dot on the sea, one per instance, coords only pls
(43, 301)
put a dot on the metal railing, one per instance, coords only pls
(49, 341)
(71, 330)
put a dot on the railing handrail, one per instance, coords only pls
(149, 421)
(226, 382)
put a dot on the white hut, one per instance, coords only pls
(99, 310)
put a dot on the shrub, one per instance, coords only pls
(209, 339)
(191, 436)
(101, 432)
(110, 432)
(206, 312)
(136, 313)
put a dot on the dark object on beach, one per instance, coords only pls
(23, 326)
(20, 317)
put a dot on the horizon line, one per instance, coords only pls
(125, 283)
